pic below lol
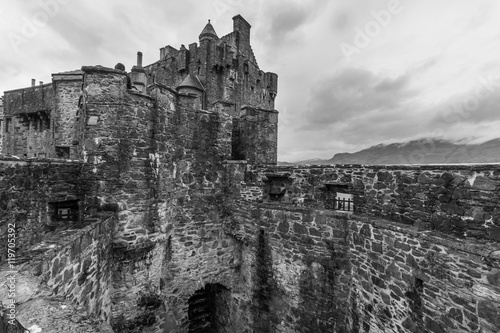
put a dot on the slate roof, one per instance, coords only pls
(208, 31)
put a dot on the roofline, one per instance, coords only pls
(241, 17)
(30, 87)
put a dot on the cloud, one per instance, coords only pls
(355, 94)
(282, 23)
(475, 106)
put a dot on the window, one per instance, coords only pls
(276, 187)
(7, 125)
(338, 198)
(343, 201)
(63, 152)
(64, 210)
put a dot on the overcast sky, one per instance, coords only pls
(352, 74)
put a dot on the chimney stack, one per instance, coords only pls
(33, 82)
(138, 74)
(41, 82)
(139, 59)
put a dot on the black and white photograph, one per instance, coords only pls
(237, 166)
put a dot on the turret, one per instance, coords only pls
(208, 32)
(193, 90)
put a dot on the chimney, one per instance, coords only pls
(139, 59)
(162, 53)
(138, 74)
(33, 82)
(41, 82)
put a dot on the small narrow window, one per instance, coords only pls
(7, 125)
(64, 210)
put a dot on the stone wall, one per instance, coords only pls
(456, 199)
(381, 275)
(77, 265)
(286, 264)
(39, 97)
(406, 280)
(67, 93)
(150, 157)
(299, 268)
(116, 142)
(28, 115)
(28, 189)
(258, 135)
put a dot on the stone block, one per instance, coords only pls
(494, 278)
(377, 247)
(490, 312)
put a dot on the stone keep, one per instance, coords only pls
(151, 201)
(218, 75)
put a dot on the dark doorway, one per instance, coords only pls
(209, 310)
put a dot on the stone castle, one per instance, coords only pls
(151, 201)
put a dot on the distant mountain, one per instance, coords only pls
(424, 151)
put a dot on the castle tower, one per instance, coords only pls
(242, 30)
(192, 89)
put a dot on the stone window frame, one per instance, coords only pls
(285, 182)
(64, 211)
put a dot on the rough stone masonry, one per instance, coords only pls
(150, 201)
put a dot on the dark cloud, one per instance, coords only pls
(282, 22)
(356, 93)
(392, 84)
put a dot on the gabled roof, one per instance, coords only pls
(191, 81)
(208, 31)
